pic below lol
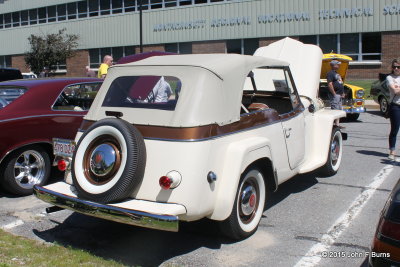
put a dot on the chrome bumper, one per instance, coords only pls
(354, 110)
(112, 213)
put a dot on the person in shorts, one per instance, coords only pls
(336, 88)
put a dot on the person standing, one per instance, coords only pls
(107, 62)
(89, 72)
(393, 82)
(336, 88)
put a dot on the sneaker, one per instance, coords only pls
(394, 158)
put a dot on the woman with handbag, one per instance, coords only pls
(393, 82)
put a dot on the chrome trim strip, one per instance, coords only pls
(132, 217)
(39, 116)
(27, 144)
(221, 135)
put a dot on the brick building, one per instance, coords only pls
(366, 30)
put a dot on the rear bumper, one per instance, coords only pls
(118, 212)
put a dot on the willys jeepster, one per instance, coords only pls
(185, 137)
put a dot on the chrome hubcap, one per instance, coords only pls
(29, 169)
(248, 200)
(102, 159)
(335, 150)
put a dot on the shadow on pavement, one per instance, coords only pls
(130, 245)
(135, 246)
(373, 153)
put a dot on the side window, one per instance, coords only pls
(155, 92)
(8, 95)
(77, 97)
(269, 88)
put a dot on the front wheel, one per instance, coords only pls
(24, 168)
(248, 207)
(383, 104)
(334, 155)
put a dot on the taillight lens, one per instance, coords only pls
(389, 229)
(62, 165)
(165, 182)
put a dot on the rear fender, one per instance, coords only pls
(238, 157)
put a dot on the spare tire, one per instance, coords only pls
(109, 161)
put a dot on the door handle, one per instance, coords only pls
(287, 132)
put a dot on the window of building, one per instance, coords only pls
(51, 13)
(7, 20)
(242, 46)
(180, 48)
(82, 9)
(328, 43)
(129, 5)
(16, 19)
(359, 46)
(42, 14)
(1, 21)
(170, 3)
(33, 16)
(96, 55)
(61, 12)
(155, 4)
(93, 8)
(5, 61)
(71, 9)
(185, 2)
(24, 18)
(105, 7)
(116, 6)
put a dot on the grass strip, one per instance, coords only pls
(20, 251)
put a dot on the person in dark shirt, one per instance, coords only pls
(336, 88)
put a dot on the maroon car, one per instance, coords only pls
(32, 112)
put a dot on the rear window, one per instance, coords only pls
(154, 92)
(8, 95)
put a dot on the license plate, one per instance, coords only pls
(63, 147)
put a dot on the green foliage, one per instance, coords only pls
(50, 49)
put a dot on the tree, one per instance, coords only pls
(50, 49)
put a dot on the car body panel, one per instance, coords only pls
(31, 119)
(212, 128)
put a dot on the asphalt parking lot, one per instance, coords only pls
(307, 216)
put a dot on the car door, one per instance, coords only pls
(293, 125)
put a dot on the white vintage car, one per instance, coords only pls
(184, 137)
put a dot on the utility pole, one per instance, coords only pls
(141, 26)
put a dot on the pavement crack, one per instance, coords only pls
(335, 244)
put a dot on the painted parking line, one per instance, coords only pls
(12, 225)
(314, 255)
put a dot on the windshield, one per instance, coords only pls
(8, 95)
(155, 92)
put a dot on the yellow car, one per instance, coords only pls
(353, 102)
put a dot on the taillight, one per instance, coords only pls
(62, 165)
(389, 229)
(170, 181)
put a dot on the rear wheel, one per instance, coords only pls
(248, 207)
(334, 155)
(24, 168)
(383, 104)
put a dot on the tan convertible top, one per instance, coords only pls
(212, 86)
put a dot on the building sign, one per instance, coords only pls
(337, 13)
(174, 26)
(231, 21)
(391, 10)
(283, 17)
